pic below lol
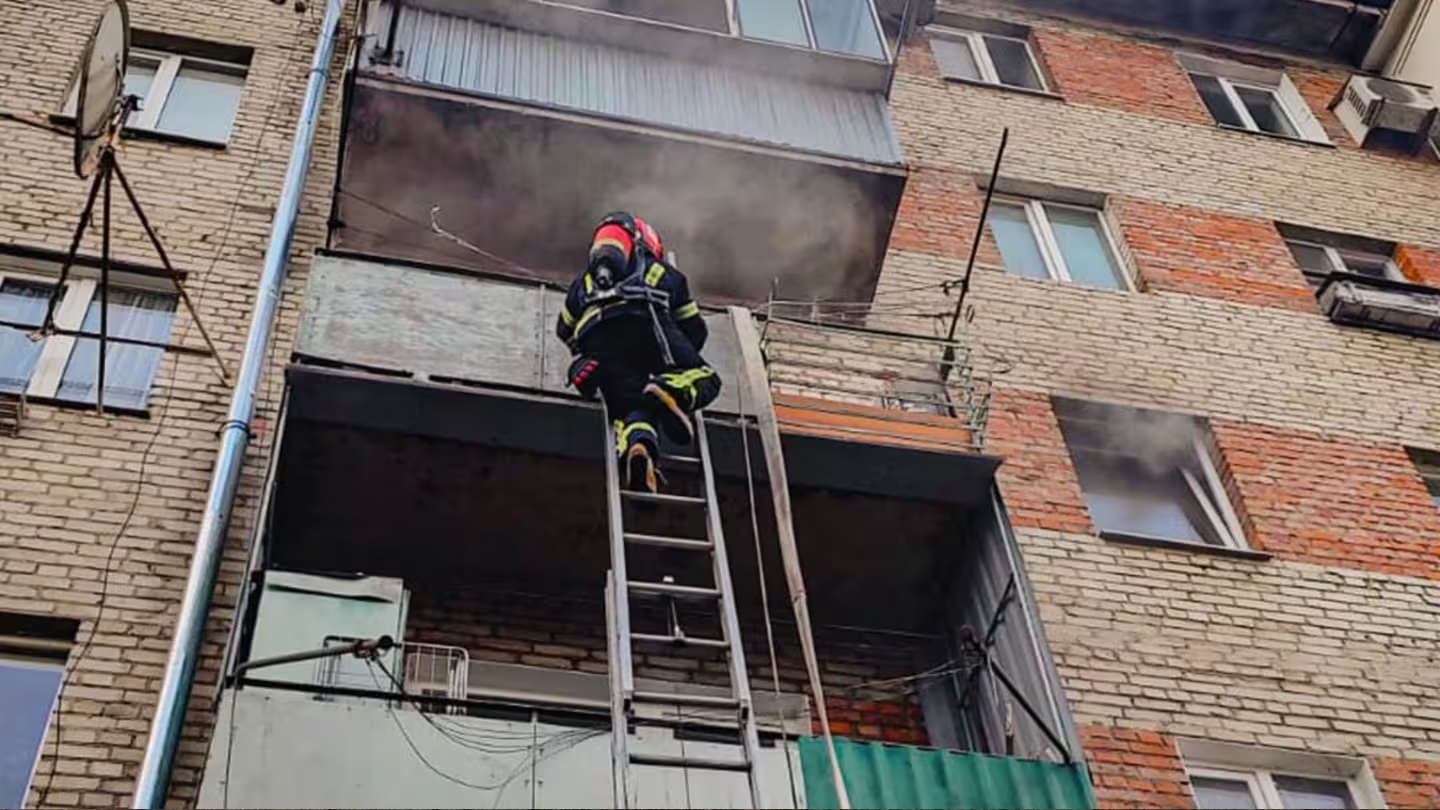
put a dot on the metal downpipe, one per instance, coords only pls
(153, 782)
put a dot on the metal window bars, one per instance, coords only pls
(836, 353)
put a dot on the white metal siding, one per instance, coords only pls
(479, 57)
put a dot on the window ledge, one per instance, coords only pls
(65, 404)
(1181, 545)
(133, 133)
(1272, 136)
(1007, 88)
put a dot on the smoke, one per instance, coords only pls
(1159, 440)
(530, 189)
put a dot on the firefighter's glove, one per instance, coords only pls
(584, 376)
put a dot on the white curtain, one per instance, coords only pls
(129, 370)
(20, 302)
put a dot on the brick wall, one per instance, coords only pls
(69, 480)
(1419, 264)
(1182, 249)
(1328, 500)
(568, 634)
(1324, 648)
(1135, 769)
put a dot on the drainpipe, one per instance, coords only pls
(153, 783)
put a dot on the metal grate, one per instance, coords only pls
(429, 671)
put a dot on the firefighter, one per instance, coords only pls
(636, 335)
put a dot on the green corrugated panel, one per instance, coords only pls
(902, 776)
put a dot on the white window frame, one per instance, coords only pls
(1262, 784)
(1230, 85)
(80, 292)
(1232, 75)
(26, 662)
(975, 41)
(147, 118)
(1337, 259)
(1054, 260)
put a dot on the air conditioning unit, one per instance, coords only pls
(1369, 104)
(1397, 308)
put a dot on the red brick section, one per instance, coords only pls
(1135, 769)
(937, 215)
(1320, 499)
(1198, 252)
(916, 58)
(1108, 72)
(565, 634)
(1408, 784)
(1037, 478)
(1319, 88)
(1419, 264)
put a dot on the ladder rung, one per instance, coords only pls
(668, 542)
(675, 590)
(683, 699)
(681, 641)
(664, 761)
(681, 460)
(661, 497)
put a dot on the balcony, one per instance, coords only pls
(436, 484)
(1316, 28)
(514, 141)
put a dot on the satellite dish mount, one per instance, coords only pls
(101, 112)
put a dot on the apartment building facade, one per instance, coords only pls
(1149, 521)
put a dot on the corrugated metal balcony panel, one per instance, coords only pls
(478, 57)
(900, 776)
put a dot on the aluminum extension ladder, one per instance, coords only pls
(622, 641)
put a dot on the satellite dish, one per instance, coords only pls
(102, 80)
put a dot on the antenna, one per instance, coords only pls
(101, 111)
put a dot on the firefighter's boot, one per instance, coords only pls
(637, 444)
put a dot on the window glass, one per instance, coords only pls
(139, 75)
(1373, 265)
(21, 302)
(1130, 497)
(1082, 245)
(1216, 101)
(129, 370)
(955, 58)
(1013, 65)
(202, 104)
(27, 697)
(1313, 794)
(1312, 258)
(1265, 108)
(845, 26)
(1212, 793)
(773, 20)
(1018, 246)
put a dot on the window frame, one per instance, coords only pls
(19, 660)
(1427, 466)
(980, 53)
(1335, 256)
(1039, 220)
(81, 289)
(1229, 86)
(147, 117)
(1261, 782)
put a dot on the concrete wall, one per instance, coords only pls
(290, 750)
(432, 323)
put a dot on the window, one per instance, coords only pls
(1056, 241)
(1219, 789)
(1320, 253)
(838, 26)
(1148, 475)
(33, 651)
(1428, 463)
(988, 58)
(1251, 98)
(64, 367)
(182, 95)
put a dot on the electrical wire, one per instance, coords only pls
(30, 122)
(765, 595)
(433, 227)
(145, 456)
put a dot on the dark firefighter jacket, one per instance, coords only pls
(587, 305)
